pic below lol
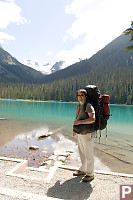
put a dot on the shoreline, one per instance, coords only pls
(16, 145)
(115, 144)
(28, 100)
(114, 163)
(103, 160)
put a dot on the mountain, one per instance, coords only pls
(13, 71)
(111, 69)
(111, 57)
(45, 69)
(57, 66)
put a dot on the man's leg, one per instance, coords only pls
(81, 149)
(86, 152)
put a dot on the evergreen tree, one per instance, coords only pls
(127, 32)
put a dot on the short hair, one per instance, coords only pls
(83, 91)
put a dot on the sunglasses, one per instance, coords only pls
(80, 95)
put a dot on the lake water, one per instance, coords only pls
(25, 121)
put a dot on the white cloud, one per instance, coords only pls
(49, 53)
(9, 13)
(5, 36)
(98, 22)
(99, 16)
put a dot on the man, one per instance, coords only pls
(85, 142)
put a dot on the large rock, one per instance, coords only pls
(33, 148)
(42, 137)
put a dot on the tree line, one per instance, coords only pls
(117, 83)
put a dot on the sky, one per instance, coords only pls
(48, 31)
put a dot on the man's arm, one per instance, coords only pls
(89, 120)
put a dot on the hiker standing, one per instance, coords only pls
(85, 141)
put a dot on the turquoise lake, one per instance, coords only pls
(24, 121)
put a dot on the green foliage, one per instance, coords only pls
(111, 69)
(129, 31)
(117, 83)
(129, 48)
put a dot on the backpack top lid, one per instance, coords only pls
(105, 98)
(93, 93)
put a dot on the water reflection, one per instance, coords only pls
(55, 144)
(27, 120)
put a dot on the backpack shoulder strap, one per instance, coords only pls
(85, 106)
(85, 109)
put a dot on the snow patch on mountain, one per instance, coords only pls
(47, 68)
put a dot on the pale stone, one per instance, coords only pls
(45, 152)
(64, 154)
(62, 158)
(41, 137)
(34, 148)
(48, 162)
(70, 151)
(53, 157)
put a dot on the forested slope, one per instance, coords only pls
(111, 69)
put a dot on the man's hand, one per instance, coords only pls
(74, 134)
(76, 122)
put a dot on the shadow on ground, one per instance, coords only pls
(71, 189)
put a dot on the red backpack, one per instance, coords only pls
(105, 98)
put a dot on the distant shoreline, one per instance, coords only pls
(37, 100)
(28, 100)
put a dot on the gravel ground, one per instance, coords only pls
(63, 185)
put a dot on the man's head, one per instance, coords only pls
(82, 95)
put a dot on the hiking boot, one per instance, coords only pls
(87, 178)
